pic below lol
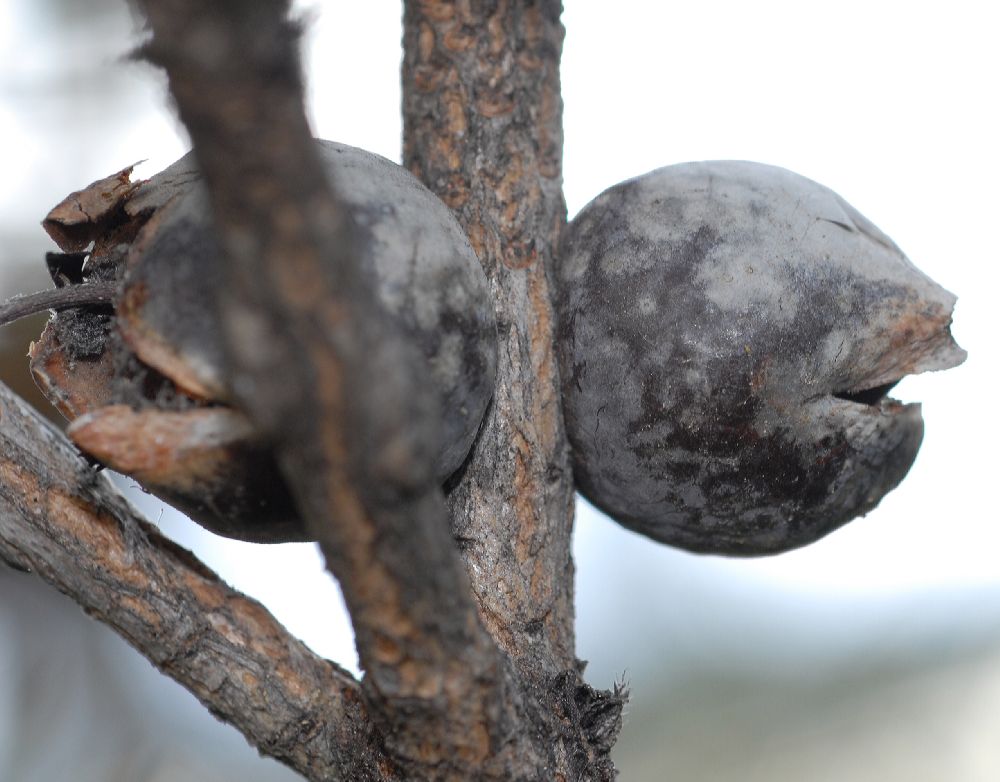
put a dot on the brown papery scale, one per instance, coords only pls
(728, 334)
(143, 379)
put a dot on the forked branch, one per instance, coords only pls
(470, 666)
(324, 372)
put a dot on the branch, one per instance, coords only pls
(341, 394)
(321, 370)
(483, 128)
(66, 298)
(68, 524)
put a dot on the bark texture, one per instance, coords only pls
(67, 523)
(468, 649)
(319, 368)
(482, 128)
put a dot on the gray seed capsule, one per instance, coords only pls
(144, 383)
(426, 274)
(728, 334)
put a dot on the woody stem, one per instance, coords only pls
(70, 297)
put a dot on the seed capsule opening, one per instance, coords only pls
(867, 396)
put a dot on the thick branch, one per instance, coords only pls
(341, 394)
(322, 370)
(67, 523)
(482, 128)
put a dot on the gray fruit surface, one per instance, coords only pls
(727, 334)
(426, 275)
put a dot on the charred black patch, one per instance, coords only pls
(65, 268)
(84, 332)
(140, 386)
(592, 717)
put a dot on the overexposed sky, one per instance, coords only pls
(891, 104)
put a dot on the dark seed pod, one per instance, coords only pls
(144, 383)
(728, 334)
(190, 459)
(426, 275)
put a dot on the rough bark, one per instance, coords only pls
(482, 119)
(320, 369)
(470, 668)
(68, 524)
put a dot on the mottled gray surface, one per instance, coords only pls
(714, 319)
(427, 276)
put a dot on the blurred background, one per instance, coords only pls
(871, 655)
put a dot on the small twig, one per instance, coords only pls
(66, 298)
